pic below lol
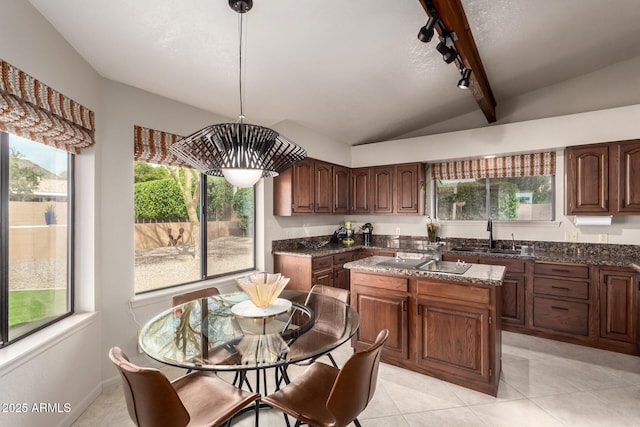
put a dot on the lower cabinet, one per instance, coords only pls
(443, 329)
(563, 300)
(305, 272)
(618, 292)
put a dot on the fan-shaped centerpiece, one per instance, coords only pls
(263, 288)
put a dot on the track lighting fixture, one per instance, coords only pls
(426, 33)
(464, 81)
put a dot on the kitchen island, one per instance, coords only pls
(441, 324)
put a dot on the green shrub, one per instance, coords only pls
(158, 200)
(243, 206)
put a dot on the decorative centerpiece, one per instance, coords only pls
(263, 288)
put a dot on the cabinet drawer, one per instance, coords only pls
(457, 292)
(562, 316)
(512, 265)
(576, 271)
(561, 288)
(385, 282)
(342, 258)
(322, 262)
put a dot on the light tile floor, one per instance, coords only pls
(544, 383)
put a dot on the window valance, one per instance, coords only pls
(31, 109)
(532, 164)
(152, 146)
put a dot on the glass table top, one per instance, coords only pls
(206, 334)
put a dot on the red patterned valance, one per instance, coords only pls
(33, 110)
(152, 146)
(533, 164)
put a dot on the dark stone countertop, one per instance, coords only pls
(578, 253)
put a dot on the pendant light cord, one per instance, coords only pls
(240, 26)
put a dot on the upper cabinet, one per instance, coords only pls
(603, 179)
(316, 187)
(304, 188)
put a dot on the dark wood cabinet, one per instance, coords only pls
(341, 190)
(379, 308)
(513, 290)
(323, 187)
(628, 156)
(360, 191)
(444, 329)
(603, 179)
(563, 300)
(303, 200)
(618, 308)
(305, 272)
(408, 185)
(382, 189)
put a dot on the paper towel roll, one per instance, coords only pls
(593, 220)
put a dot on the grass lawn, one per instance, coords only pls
(33, 305)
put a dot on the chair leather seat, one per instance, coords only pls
(209, 400)
(308, 394)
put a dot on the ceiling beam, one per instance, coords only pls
(452, 15)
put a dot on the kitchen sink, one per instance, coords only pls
(428, 265)
(485, 250)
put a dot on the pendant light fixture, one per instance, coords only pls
(241, 152)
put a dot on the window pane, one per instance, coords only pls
(38, 230)
(527, 198)
(167, 227)
(230, 233)
(461, 199)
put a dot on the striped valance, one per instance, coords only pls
(533, 164)
(33, 110)
(152, 146)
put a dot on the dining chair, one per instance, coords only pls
(196, 399)
(325, 396)
(192, 295)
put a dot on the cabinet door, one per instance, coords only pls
(629, 177)
(360, 190)
(379, 309)
(341, 182)
(512, 294)
(323, 194)
(408, 188)
(382, 189)
(587, 180)
(444, 329)
(618, 306)
(303, 187)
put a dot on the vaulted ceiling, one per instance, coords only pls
(354, 71)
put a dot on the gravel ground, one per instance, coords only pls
(154, 268)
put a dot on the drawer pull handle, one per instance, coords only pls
(559, 308)
(404, 305)
(326, 276)
(561, 270)
(560, 287)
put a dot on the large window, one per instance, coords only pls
(170, 202)
(505, 199)
(36, 282)
(515, 188)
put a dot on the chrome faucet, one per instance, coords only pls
(492, 244)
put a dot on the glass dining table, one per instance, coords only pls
(209, 334)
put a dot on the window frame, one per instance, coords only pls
(4, 244)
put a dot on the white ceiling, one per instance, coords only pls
(351, 70)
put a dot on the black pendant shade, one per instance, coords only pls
(238, 146)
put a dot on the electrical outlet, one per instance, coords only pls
(571, 236)
(397, 231)
(603, 238)
(288, 233)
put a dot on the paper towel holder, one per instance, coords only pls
(594, 221)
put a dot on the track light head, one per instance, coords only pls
(426, 33)
(464, 81)
(449, 54)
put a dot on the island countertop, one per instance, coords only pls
(478, 274)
